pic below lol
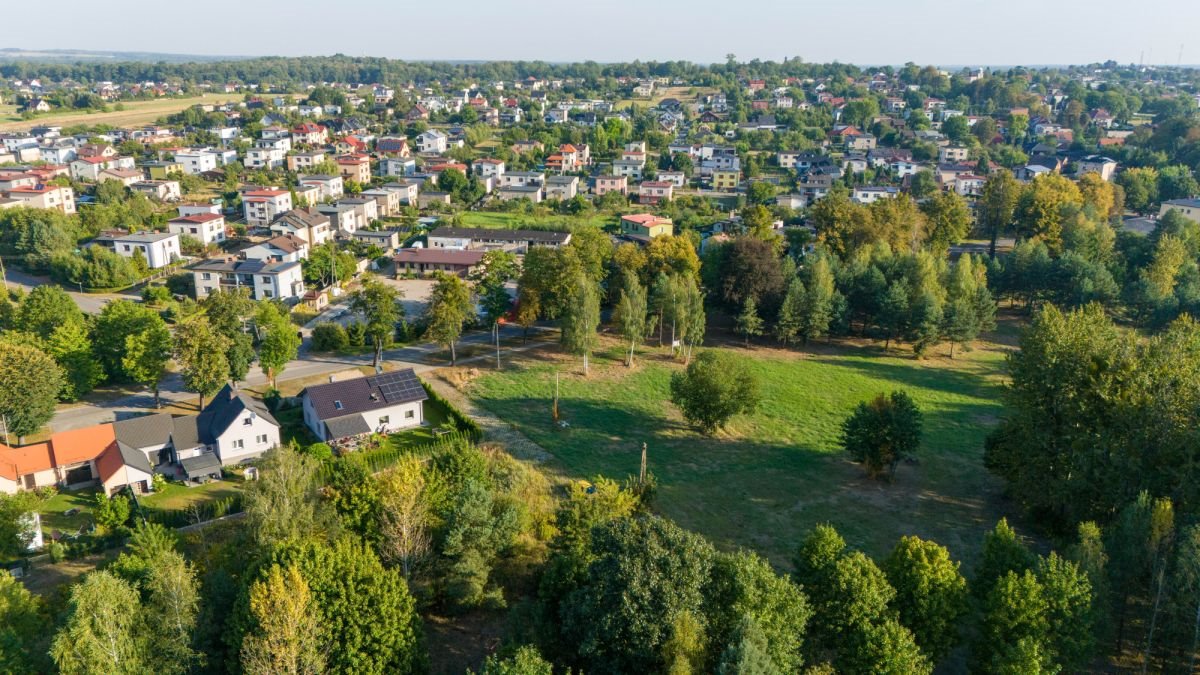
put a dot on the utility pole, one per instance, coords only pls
(4, 277)
(642, 472)
(496, 333)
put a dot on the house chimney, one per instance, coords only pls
(331, 378)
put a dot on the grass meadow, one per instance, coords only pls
(768, 477)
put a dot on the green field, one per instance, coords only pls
(770, 476)
(514, 221)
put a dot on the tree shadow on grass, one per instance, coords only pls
(742, 492)
(963, 381)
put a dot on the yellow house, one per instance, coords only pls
(724, 179)
(646, 226)
(163, 170)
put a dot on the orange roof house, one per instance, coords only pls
(81, 445)
(17, 462)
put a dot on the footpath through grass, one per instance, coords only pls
(769, 477)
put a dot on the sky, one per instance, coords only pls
(866, 32)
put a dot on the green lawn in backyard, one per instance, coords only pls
(435, 416)
(514, 221)
(53, 510)
(177, 497)
(174, 497)
(770, 476)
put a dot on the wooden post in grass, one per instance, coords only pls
(642, 472)
(554, 411)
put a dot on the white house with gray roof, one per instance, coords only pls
(381, 403)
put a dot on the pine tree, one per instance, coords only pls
(818, 302)
(749, 323)
(790, 320)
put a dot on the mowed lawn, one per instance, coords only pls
(770, 476)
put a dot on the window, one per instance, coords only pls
(248, 421)
(337, 405)
(409, 414)
(385, 419)
(239, 444)
(262, 440)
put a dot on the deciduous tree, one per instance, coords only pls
(201, 354)
(146, 356)
(30, 382)
(449, 309)
(714, 387)
(882, 432)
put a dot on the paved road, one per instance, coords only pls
(90, 303)
(308, 364)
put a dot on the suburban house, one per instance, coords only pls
(646, 226)
(359, 406)
(521, 178)
(126, 177)
(308, 224)
(488, 167)
(304, 161)
(397, 166)
(268, 158)
(870, 194)
(1098, 164)
(236, 427)
(42, 196)
(330, 187)
(159, 249)
(562, 187)
(655, 192)
(384, 239)
(89, 168)
(231, 429)
(531, 192)
(628, 168)
(206, 228)
(387, 202)
(469, 238)
(342, 217)
(162, 190)
(606, 184)
(726, 179)
(1188, 208)
(423, 261)
(195, 162)
(355, 167)
(393, 145)
(406, 190)
(432, 141)
(262, 206)
(675, 178)
(309, 133)
(284, 248)
(953, 154)
(265, 280)
(162, 170)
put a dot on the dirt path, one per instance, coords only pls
(494, 429)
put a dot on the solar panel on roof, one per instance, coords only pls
(398, 386)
